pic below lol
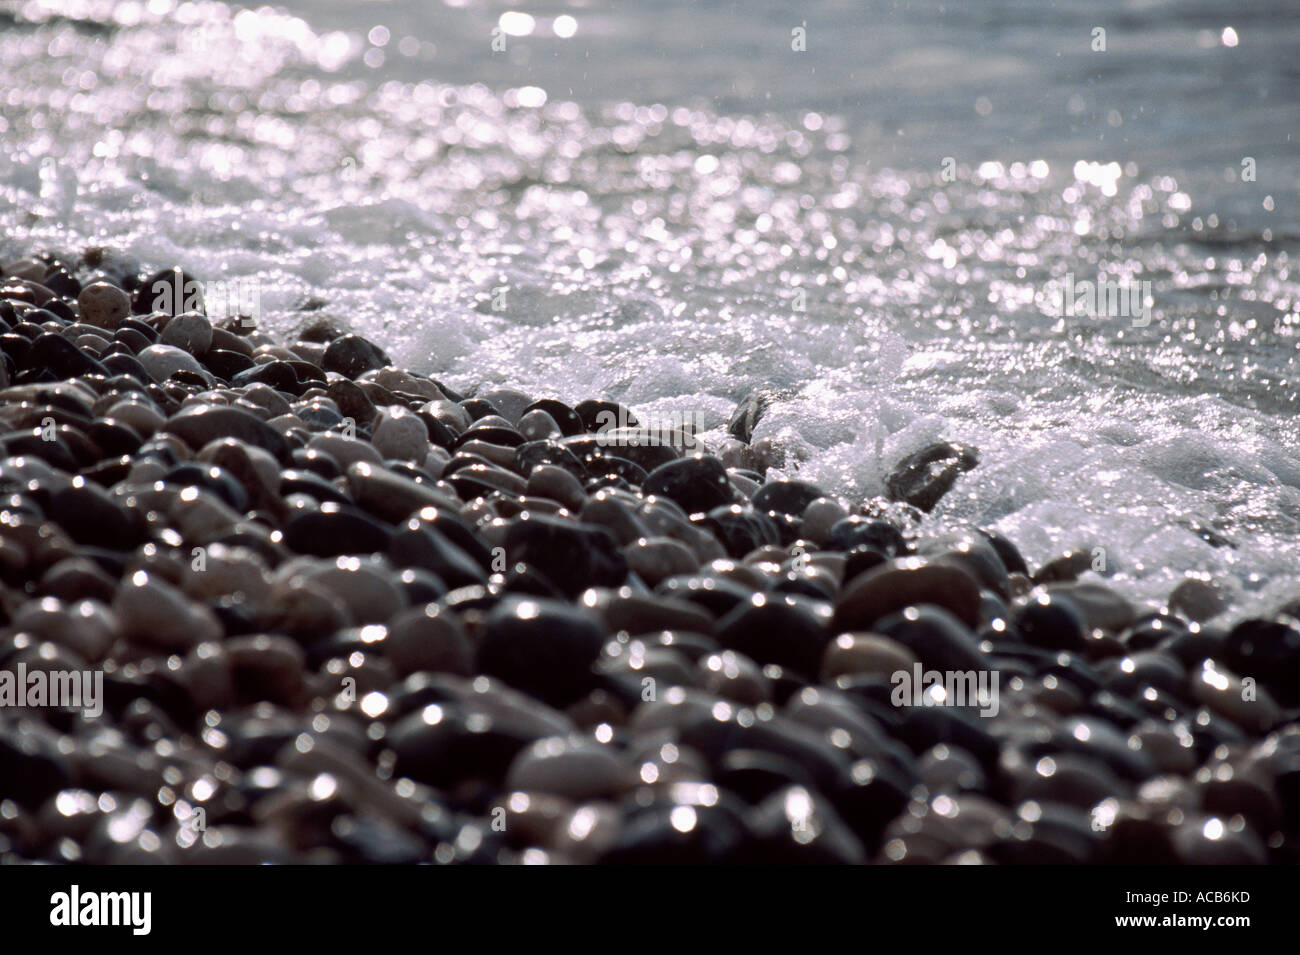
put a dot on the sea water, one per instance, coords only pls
(876, 207)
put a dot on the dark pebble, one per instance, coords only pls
(544, 647)
(787, 497)
(352, 356)
(922, 478)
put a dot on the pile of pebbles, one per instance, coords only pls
(345, 614)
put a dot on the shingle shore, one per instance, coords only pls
(352, 615)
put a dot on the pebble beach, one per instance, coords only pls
(347, 614)
(481, 432)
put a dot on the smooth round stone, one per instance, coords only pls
(201, 424)
(741, 529)
(715, 594)
(724, 727)
(351, 401)
(950, 769)
(227, 340)
(1150, 632)
(86, 627)
(974, 555)
(1191, 647)
(212, 478)
(430, 639)
(189, 331)
(568, 420)
(1065, 567)
(398, 433)
(661, 516)
(266, 398)
(163, 361)
(735, 676)
(574, 767)
(1269, 651)
(856, 531)
(638, 613)
(1007, 551)
(227, 572)
(103, 305)
(351, 356)
(542, 647)
(391, 496)
(787, 630)
(697, 483)
(333, 530)
(1168, 751)
(305, 610)
(1053, 621)
(477, 480)
(316, 416)
(1069, 778)
(443, 744)
(153, 613)
(537, 425)
(365, 585)
(654, 559)
(424, 545)
(167, 291)
(345, 450)
(557, 484)
(421, 586)
(787, 497)
(651, 666)
(865, 653)
(818, 518)
(532, 454)
(531, 818)
(1100, 739)
(29, 268)
(574, 556)
(1102, 608)
(1198, 599)
(1129, 676)
(58, 356)
(501, 455)
(939, 640)
(510, 403)
(449, 413)
(91, 516)
(1222, 690)
(797, 825)
(922, 478)
(266, 667)
(615, 514)
(76, 578)
(902, 583)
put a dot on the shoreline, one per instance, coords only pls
(456, 599)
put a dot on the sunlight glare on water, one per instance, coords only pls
(676, 255)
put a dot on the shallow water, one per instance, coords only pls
(679, 208)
